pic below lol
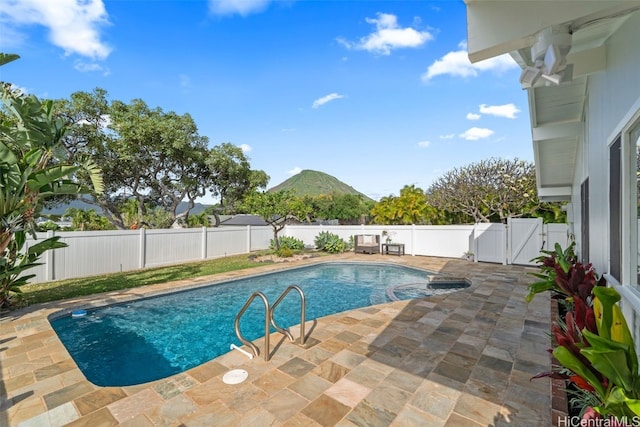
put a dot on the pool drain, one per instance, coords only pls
(235, 377)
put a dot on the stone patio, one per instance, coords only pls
(461, 359)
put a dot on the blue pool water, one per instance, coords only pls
(156, 337)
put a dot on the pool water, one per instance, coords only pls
(156, 337)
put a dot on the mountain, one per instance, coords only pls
(77, 204)
(314, 183)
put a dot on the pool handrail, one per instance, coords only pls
(303, 310)
(252, 346)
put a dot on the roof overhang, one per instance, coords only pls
(556, 111)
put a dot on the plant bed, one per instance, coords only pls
(595, 361)
(559, 398)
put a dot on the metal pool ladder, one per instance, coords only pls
(269, 320)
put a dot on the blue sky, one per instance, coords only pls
(379, 94)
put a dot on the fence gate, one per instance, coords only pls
(489, 242)
(525, 240)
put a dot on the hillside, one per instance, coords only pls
(314, 183)
(77, 204)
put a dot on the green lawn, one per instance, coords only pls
(51, 291)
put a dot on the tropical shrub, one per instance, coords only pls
(332, 243)
(47, 226)
(31, 170)
(591, 340)
(562, 275)
(288, 242)
(284, 252)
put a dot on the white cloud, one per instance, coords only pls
(475, 133)
(473, 116)
(295, 171)
(86, 67)
(456, 63)
(104, 123)
(73, 25)
(245, 148)
(424, 144)
(388, 36)
(508, 111)
(22, 89)
(240, 7)
(448, 136)
(321, 101)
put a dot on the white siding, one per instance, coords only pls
(611, 96)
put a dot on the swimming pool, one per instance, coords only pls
(156, 337)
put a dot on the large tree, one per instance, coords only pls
(231, 176)
(154, 157)
(486, 190)
(347, 208)
(410, 207)
(276, 208)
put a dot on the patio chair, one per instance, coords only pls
(367, 243)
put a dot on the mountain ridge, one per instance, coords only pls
(315, 183)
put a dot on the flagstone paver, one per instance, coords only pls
(461, 359)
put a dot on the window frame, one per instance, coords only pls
(628, 285)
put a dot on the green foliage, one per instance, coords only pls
(87, 220)
(275, 208)
(5, 58)
(592, 342)
(200, 220)
(32, 169)
(231, 174)
(331, 243)
(410, 207)
(562, 274)
(154, 157)
(551, 213)
(493, 188)
(284, 252)
(37, 293)
(347, 208)
(47, 226)
(314, 184)
(287, 242)
(16, 260)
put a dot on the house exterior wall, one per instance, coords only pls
(611, 95)
(613, 100)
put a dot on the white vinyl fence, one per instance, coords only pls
(450, 241)
(99, 252)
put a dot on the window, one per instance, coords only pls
(615, 210)
(584, 223)
(634, 139)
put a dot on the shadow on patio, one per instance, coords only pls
(464, 358)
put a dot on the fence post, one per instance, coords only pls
(413, 239)
(248, 238)
(474, 248)
(203, 246)
(143, 248)
(506, 259)
(49, 260)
